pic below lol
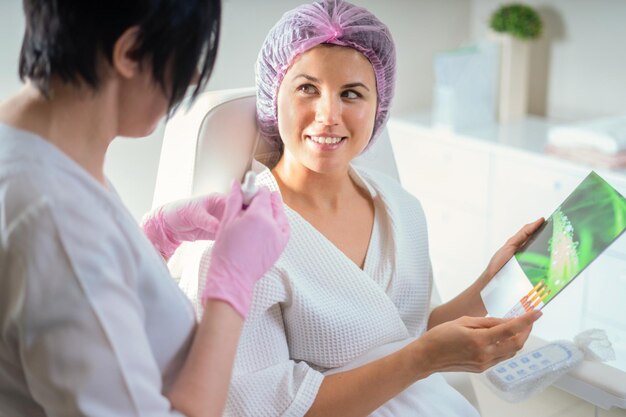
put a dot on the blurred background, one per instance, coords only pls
(576, 72)
(577, 66)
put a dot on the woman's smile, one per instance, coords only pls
(326, 108)
(325, 143)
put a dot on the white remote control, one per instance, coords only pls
(532, 366)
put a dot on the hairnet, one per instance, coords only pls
(327, 21)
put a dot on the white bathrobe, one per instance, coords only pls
(316, 311)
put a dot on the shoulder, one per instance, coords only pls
(26, 204)
(390, 189)
(48, 217)
(30, 189)
(34, 172)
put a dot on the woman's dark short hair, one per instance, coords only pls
(67, 38)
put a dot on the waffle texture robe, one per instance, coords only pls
(317, 312)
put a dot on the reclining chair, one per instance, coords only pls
(208, 144)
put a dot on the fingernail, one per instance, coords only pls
(537, 314)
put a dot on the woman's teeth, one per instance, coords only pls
(325, 140)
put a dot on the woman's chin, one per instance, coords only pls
(327, 166)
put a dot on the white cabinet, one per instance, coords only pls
(478, 188)
(457, 244)
(445, 172)
(522, 191)
(452, 185)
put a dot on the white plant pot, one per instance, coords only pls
(514, 68)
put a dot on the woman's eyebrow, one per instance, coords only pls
(352, 85)
(308, 77)
(315, 80)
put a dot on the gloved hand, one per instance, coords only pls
(247, 244)
(184, 220)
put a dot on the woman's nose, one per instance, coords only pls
(328, 111)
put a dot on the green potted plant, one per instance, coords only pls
(513, 27)
(518, 20)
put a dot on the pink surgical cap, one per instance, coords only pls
(328, 21)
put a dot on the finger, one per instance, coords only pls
(214, 204)
(505, 348)
(482, 322)
(512, 327)
(208, 224)
(525, 232)
(233, 203)
(260, 203)
(523, 337)
(508, 347)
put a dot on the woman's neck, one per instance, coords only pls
(79, 122)
(301, 186)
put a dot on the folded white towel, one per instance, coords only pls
(605, 135)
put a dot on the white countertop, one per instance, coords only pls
(524, 138)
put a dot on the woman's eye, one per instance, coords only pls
(307, 89)
(351, 94)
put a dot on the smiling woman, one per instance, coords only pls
(326, 113)
(326, 108)
(341, 324)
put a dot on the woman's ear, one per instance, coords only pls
(124, 53)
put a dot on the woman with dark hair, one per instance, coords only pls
(90, 322)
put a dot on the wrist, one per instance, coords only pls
(483, 280)
(417, 357)
(224, 284)
(240, 301)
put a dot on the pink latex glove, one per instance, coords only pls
(247, 244)
(183, 221)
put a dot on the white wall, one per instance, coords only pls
(11, 29)
(420, 28)
(578, 68)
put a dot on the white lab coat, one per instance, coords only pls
(90, 322)
(316, 311)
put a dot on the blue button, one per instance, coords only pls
(537, 355)
(525, 360)
(509, 377)
(513, 365)
(533, 367)
(521, 372)
(501, 369)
